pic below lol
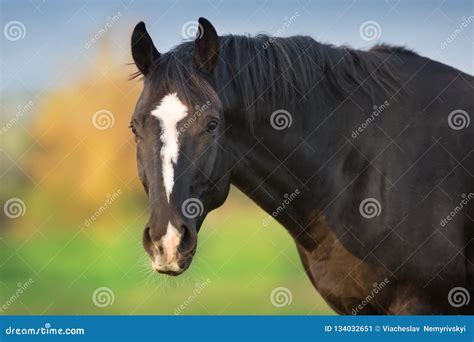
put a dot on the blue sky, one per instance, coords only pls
(52, 52)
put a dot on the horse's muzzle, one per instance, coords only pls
(172, 253)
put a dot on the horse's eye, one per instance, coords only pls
(212, 125)
(134, 130)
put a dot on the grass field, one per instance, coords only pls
(238, 264)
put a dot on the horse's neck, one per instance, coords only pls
(259, 173)
(264, 169)
(272, 167)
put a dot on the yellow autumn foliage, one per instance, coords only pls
(85, 149)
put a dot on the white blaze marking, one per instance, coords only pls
(170, 111)
(170, 242)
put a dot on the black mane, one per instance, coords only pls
(267, 71)
(392, 48)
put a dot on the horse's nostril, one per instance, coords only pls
(151, 245)
(148, 232)
(188, 240)
(147, 241)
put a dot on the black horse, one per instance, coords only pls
(365, 157)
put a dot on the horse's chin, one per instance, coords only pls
(171, 273)
(182, 266)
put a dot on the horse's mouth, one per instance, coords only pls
(177, 268)
(170, 273)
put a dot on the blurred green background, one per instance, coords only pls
(238, 265)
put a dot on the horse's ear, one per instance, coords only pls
(206, 46)
(143, 51)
